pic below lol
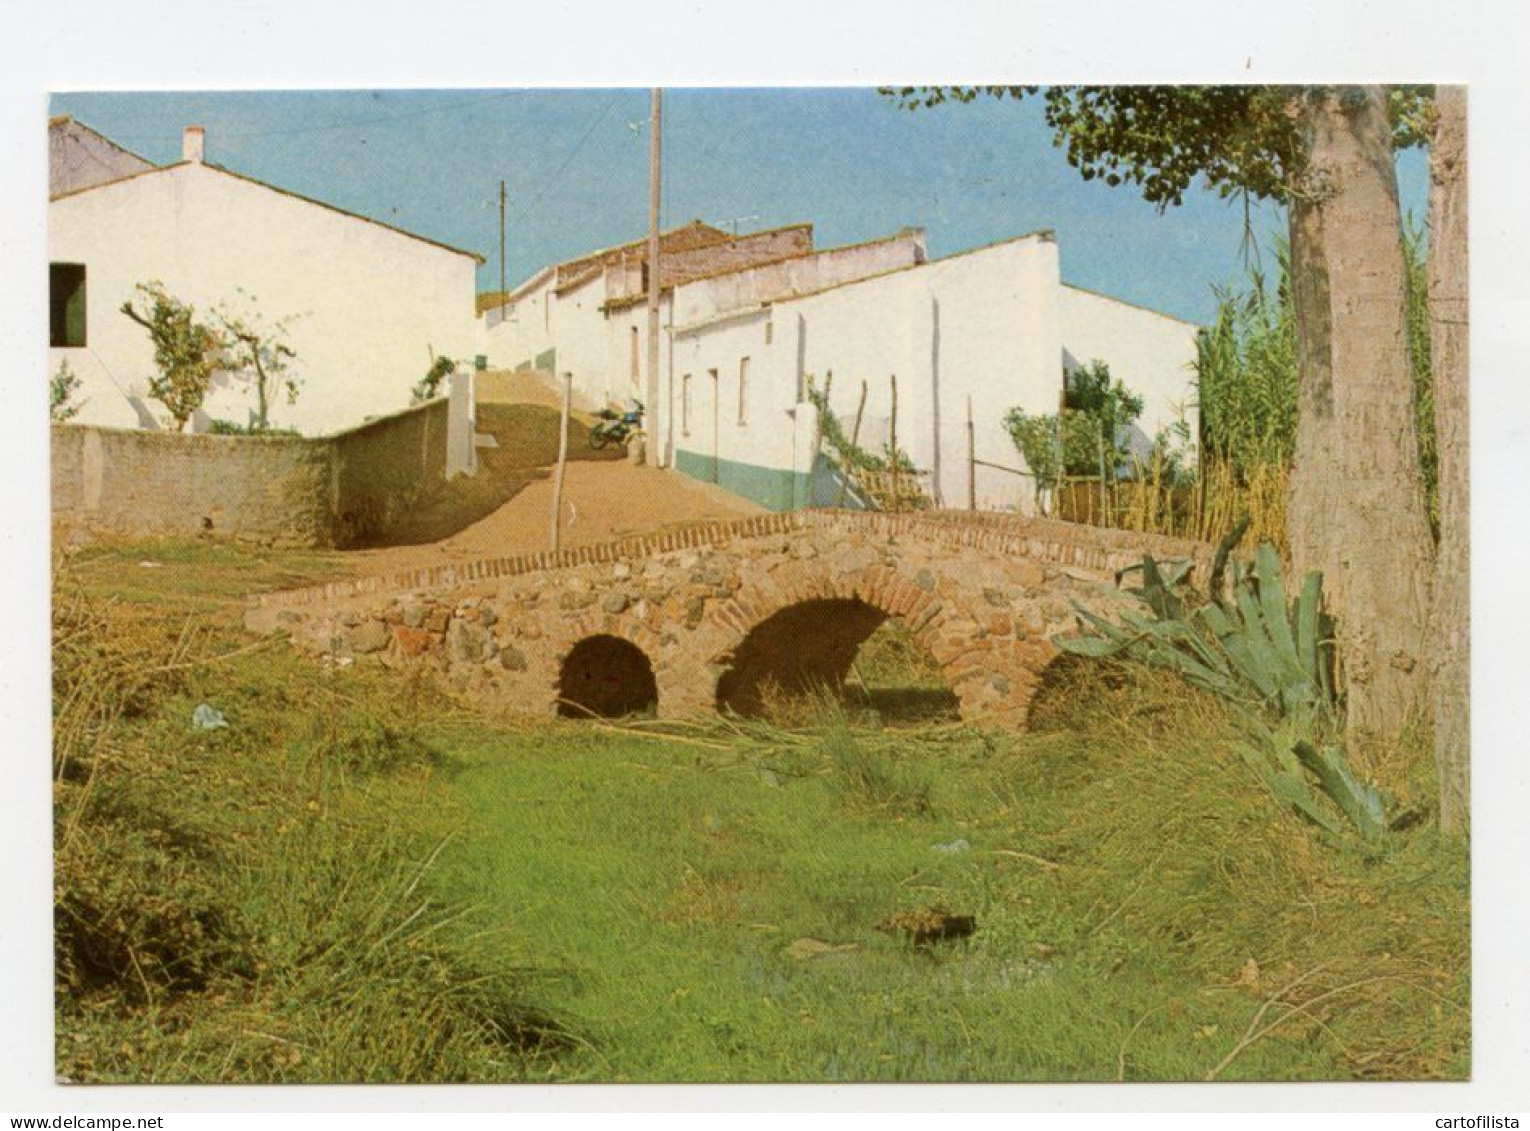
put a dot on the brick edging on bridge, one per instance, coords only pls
(1094, 548)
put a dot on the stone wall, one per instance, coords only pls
(281, 489)
(984, 599)
(383, 466)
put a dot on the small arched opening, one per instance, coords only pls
(842, 649)
(606, 677)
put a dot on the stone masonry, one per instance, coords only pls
(983, 594)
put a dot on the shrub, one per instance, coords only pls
(62, 388)
(187, 352)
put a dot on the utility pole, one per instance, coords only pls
(652, 454)
(503, 289)
(554, 533)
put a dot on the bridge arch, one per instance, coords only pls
(606, 676)
(801, 626)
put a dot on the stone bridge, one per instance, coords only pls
(689, 620)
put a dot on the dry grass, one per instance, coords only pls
(1149, 500)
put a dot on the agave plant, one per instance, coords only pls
(1272, 658)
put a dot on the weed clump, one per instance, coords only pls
(255, 903)
(870, 776)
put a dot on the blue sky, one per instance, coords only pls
(576, 162)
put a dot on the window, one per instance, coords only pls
(685, 405)
(770, 332)
(743, 390)
(66, 304)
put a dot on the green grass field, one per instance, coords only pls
(357, 880)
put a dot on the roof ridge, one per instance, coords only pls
(267, 185)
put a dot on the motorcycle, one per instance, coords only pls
(615, 427)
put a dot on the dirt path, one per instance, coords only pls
(601, 501)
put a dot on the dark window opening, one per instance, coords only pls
(66, 305)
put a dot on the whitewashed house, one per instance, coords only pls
(588, 317)
(369, 304)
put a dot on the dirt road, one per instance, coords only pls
(601, 501)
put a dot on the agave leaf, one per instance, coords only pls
(1218, 620)
(1362, 804)
(1277, 623)
(1097, 647)
(1296, 792)
(1219, 562)
(1176, 572)
(1263, 665)
(1165, 644)
(1107, 628)
(1156, 592)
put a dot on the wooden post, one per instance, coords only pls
(557, 496)
(828, 387)
(971, 460)
(855, 438)
(892, 443)
(504, 292)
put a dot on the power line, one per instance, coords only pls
(567, 161)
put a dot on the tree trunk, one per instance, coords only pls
(1356, 497)
(1450, 618)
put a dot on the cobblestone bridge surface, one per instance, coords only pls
(688, 620)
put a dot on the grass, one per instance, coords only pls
(357, 881)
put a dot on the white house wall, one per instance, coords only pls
(982, 325)
(1152, 354)
(757, 455)
(802, 274)
(595, 342)
(368, 304)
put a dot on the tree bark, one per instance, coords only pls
(1450, 617)
(1356, 498)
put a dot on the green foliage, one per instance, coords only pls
(1246, 368)
(429, 385)
(187, 351)
(1247, 646)
(1089, 436)
(1162, 139)
(1416, 310)
(1138, 912)
(832, 429)
(256, 351)
(62, 388)
(1246, 371)
(874, 777)
(256, 903)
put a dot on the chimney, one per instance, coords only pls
(191, 144)
(916, 236)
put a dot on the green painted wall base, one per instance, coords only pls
(775, 488)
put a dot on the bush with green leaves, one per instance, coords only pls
(1088, 437)
(187, 351)
(257, 351)
(63, 386)
(429, 386)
